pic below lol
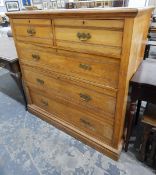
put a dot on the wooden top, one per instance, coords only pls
(85, 12)
(7, 50)
(150, 114)
(146, 73)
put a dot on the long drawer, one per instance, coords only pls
(101, 70)
(34, 30)
(83, 121)
(90, 36)
(86, 96)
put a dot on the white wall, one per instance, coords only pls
(153, 3)
(138, 3)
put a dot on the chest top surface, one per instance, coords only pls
(87, 13)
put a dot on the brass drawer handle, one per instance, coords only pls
(44, 103)
(83, 36)
(40, 81)
(35, 57)
(31, 31)
(87, 124)
(85, 66)
(85, 97)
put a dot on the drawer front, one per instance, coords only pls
(101, 70)
(83, 121)
(103, 39)
(45, 22)
(107, 24)
(34, 31)
(86, 97)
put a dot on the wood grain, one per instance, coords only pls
(94, 24)
(123, 83)
(42, 30)
(41, 22)
(101, 70)
(84, 13)
(101, 37)
(64, 111)
(81, 86)
(72, 91)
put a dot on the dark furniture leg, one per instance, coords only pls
(130, 123)
(146, 133)
(150, 159)
(18, 81)
(16, 75)
(135, 91)
(138, 112)
(147, 49)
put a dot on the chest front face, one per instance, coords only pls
(75, 69)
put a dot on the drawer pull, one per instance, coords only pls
(44, 103)
(87, 124)
(85, 66)
(31, 31)
(35, 57)
(85, 97)
(83, 36)
(40, 81)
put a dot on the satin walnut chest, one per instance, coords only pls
(76, 66)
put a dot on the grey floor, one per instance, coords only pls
(30, 146)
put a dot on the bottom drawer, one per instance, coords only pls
(67, 112)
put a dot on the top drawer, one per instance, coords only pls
(102, 37)
(113, 24)
(34, 30)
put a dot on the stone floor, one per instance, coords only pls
(30, 146)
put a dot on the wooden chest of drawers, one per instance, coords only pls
(76, 67)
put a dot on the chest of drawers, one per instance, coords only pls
(76, 67)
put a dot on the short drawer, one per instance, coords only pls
(86, 96)
(85, 122)
(105, 38)
(34, 31)
(101, 70)
(45, 22)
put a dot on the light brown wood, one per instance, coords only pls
(88, 48)
(123, 82)
(100, 39)
(101, 70)
(83, 13)
(87, 98)
(136, 31)
(77, 68)
(139, 37)
(42, 22)
(65, 111)
(96, 24)
(42, 30)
